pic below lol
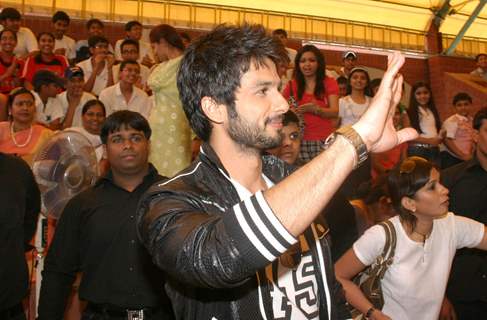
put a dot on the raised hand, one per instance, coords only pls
(376, 126)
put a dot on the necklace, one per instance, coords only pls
(424, 235)
(12, 135)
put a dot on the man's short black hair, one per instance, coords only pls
(126, 62)
(290, 117)
(93, 41)
(129, 25)
(129, 42)
(477, 57)
(280, 32)
(10, 13)
(61, 16)
(462, 96)
(93, 21)
(479, 118)
(214, 64)
(124, 119)
(45, 78)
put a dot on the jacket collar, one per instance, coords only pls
(273, 168)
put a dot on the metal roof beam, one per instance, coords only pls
(465, 27)
(439, 15)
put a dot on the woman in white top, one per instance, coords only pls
(427, 239)
(92, 119)
(423, 116)
(353, 106)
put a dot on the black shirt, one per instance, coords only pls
(19, 209)
(467, 183)
(96, 235)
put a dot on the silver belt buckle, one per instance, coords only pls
(135, 314)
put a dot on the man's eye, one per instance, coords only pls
(294, 136)
(136, 138)
(116, 140)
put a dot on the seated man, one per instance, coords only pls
(63, 45)
(125, 95)
(234, 231)
(349, 61)
(26, 40)
(281, 35)
(49, 111)
(21, 204)
(133, 31)
(96, 236)
(481, 70)
(98, 68)
(467, 182)
(288, 151)
(458, 142)
(94, 27)
(130, 51)
(74, 98)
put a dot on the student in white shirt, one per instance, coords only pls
(130, 51)
(26, 40)
(94, 27)
(427, 238)
(481, 71)
(64, 45)
(353, 106)
(48, 109)
(281, 35)
(133, 30)
(98, 68)
(125, 95)
(74, 98)
(423, 116)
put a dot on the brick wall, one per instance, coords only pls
(443, 94)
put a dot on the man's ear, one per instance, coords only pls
(214, 111)
(408, 204)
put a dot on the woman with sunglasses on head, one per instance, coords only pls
(315, 96)
(21, 135)
(45, 59)
(427, 236)
(423, 116)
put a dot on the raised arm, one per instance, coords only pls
(317, 181)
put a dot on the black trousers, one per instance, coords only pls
(470, 310)
(14, 313)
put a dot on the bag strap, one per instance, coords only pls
(387, 255)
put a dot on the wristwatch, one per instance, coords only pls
(354, 139)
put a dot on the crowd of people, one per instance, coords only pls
(238, 179)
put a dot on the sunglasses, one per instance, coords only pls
(408, 165)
